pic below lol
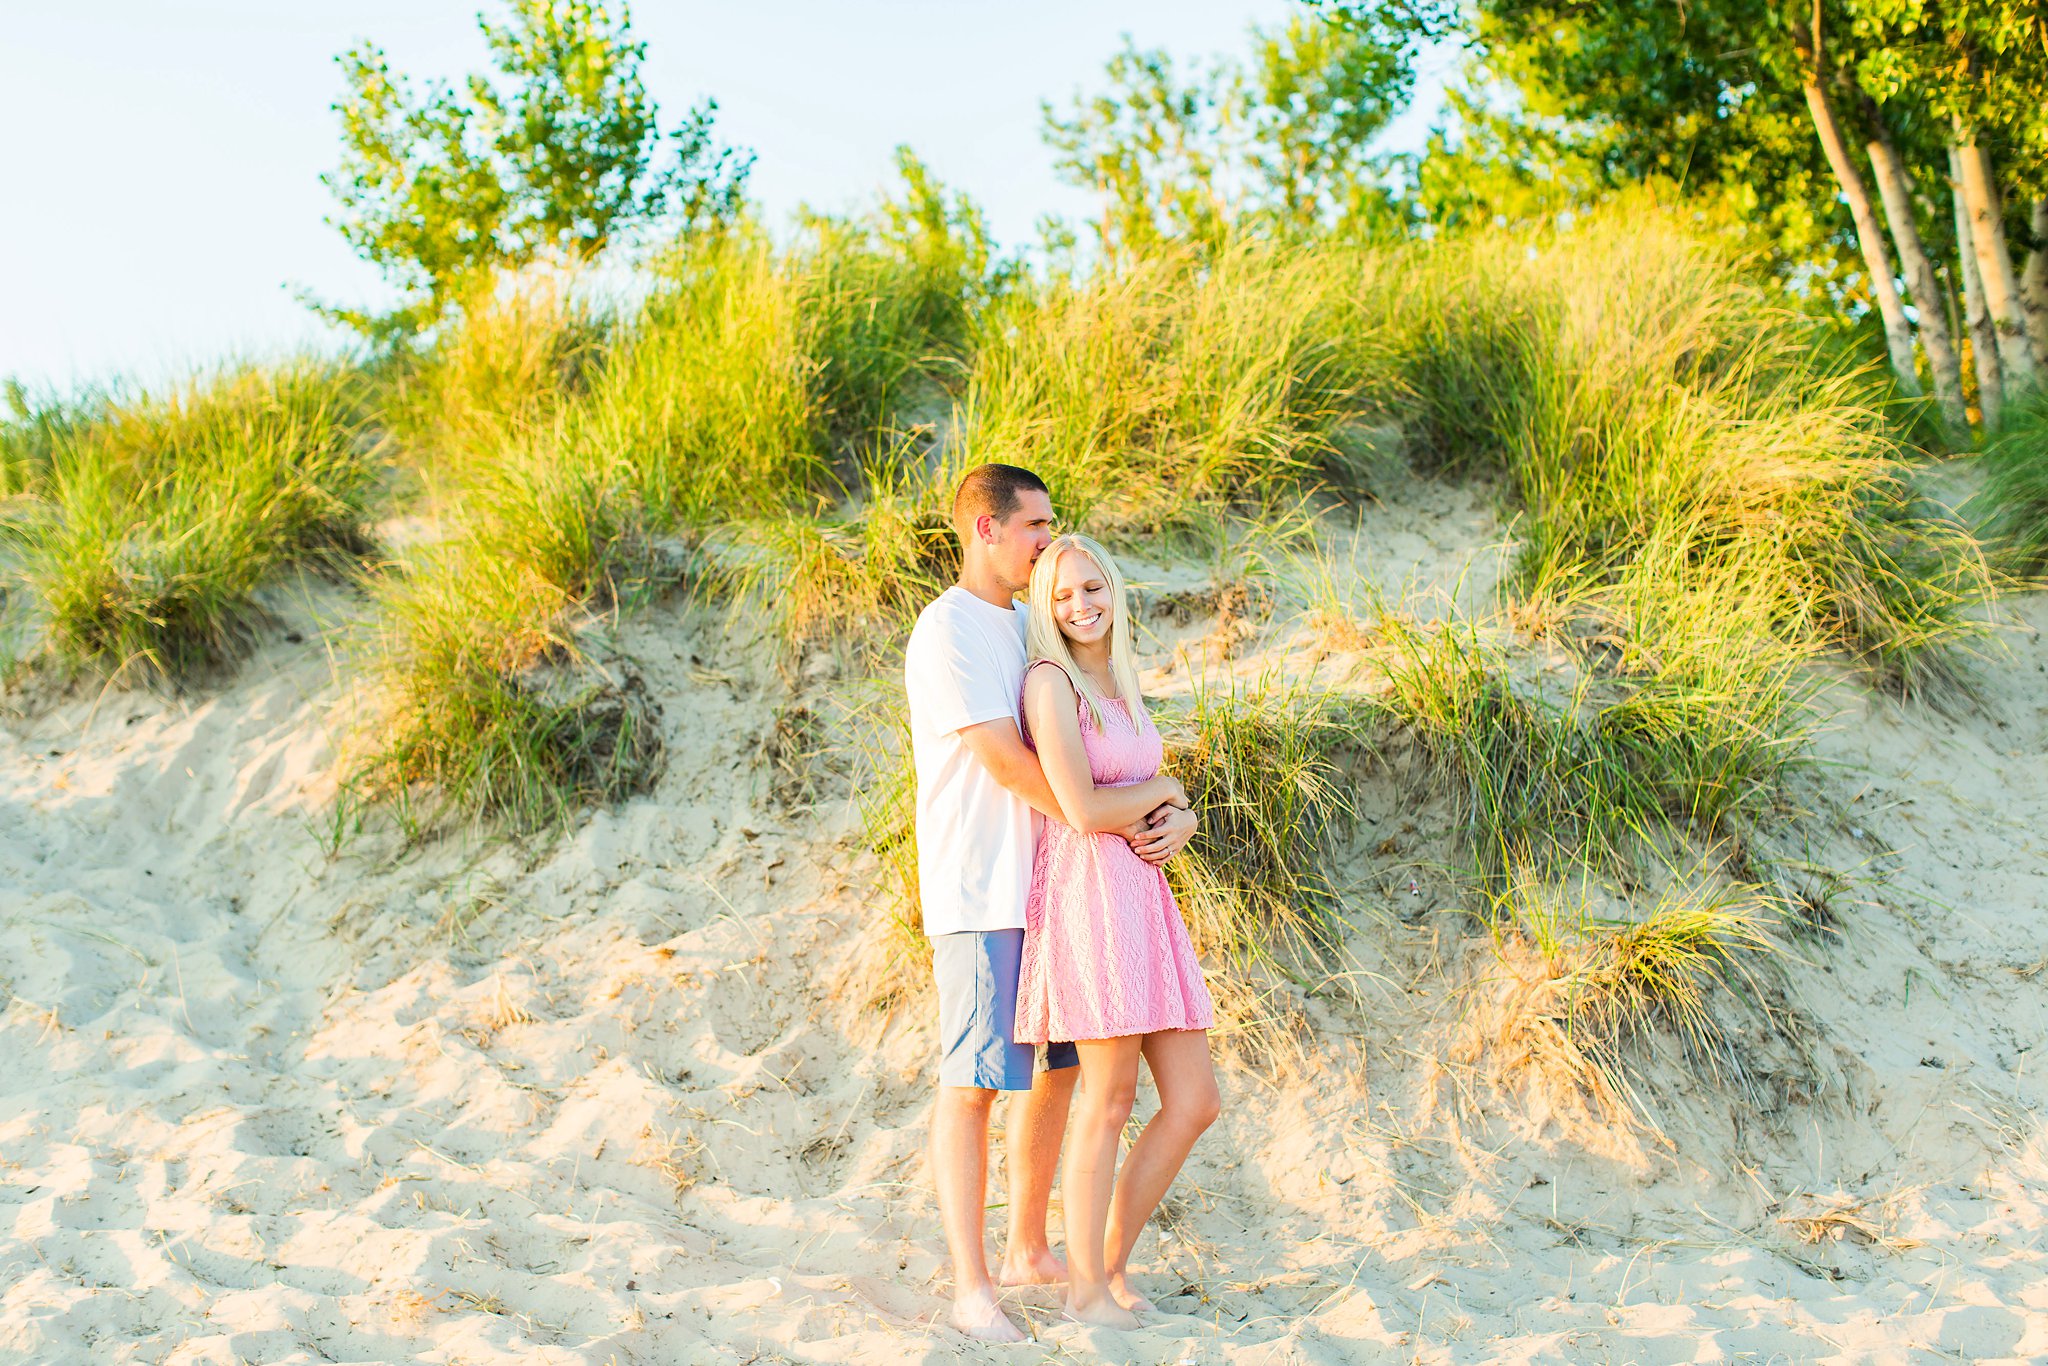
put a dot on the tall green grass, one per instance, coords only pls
(154, 520)
(1266, 768)
(485, 702)
(2012, 504)
(595, 453)
(1162, 391)
(1665, 424)
(1557, 772)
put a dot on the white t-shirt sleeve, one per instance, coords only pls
(955, 679)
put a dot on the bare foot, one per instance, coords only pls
(1103, 1312)
(1032, 1268)
(980, 1317)
(1121, 1290)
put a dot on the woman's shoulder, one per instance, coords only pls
(1058, 670)
(1052, 680)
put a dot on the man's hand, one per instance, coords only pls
(1165, 833)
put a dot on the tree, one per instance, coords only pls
(1878, 86)
(555, 155)
(1278, 144)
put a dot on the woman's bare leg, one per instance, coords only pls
(1188, 1104)
(1109, 1086)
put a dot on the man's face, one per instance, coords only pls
(1016, 541)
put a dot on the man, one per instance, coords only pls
(980, 793)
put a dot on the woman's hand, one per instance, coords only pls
(1165, 833)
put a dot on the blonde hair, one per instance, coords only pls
(1044, 640)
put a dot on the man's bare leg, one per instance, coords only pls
(959, 1157)
(1037, 1124)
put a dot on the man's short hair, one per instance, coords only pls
(992, 490)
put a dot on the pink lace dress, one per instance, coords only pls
(1106, 953)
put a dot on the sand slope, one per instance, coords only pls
(600, 1099)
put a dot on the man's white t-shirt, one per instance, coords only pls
(975, 838)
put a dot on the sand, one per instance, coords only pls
(608, 1097)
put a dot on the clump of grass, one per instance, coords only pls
(161, 516)
(514, 354)
(858, 574)
(704, 407)
(33, 428)
(698, 411)
(486, 704)
(1576, 989)
(2012, 505)
(1164, 388)
(890, 301)
(1264, 768)
(1661, 420)
(1581, 768)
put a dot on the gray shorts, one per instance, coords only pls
(976, 972)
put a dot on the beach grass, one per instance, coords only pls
(485, 701)
(1161, 392)
(155, 518)
(2011, 506)
(1265, 766)
(1663, 422)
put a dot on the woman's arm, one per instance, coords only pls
(1049, 704)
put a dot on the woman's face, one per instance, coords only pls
(1081, 601)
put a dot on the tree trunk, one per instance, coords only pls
(1994, 263)
(1898, 333)
(2034, 283)
(1919, 273)
(1983, 337)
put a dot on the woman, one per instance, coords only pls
(1107, 962)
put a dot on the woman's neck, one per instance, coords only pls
(1093, 659)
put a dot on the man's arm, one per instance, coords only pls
(1000, 748)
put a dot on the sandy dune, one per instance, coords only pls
(602, 1100)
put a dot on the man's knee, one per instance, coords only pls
(967, 1102)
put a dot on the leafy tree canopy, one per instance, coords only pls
(1274, 143)
(555, 154)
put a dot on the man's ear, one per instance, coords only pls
(983, 525)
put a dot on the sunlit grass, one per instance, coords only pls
(155, 519)
(2012, 505)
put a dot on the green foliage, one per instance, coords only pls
(486, 706)
(857, 575)
(159, 517)
(1265, 767)
(2012, 505)
(1667, 427)
(1277, 144)
(33, 429)
(891, 299)
(555, 155)
(1163, 389)
(1586, 772)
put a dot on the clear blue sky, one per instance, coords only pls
(163, 156)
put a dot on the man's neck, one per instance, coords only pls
(981, 582)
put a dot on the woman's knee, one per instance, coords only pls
(1196, 1112)
(1113, 1102)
